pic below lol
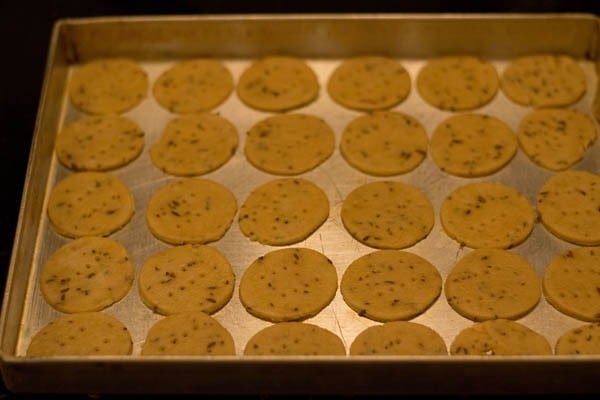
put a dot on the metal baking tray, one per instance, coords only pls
(323, 41)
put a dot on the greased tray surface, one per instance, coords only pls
(25, 311)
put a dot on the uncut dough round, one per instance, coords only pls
(90, 204)
(543, 80)
(487, 215)
(472, 145)
(499, 337)
(108, 86)
(186, 278)
(572, 283)
(195, 145)
(188, 334)
(294, 339)
(568, 206)
(398, 338)
(283, 211)
(581, 340)
(389, 285)
(87, 274)
(387, 215)
(556, 139)
(369, 83)
(492, 283)
(457, 83)
(384, 143)
(99, 143)
(288, 285)
(191, 211)
(193, 86)
(82, 334)
(278, 84)
(289, 144)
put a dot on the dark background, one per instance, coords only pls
(26, 25)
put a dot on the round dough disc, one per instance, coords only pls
(457, 83)
(568, 206)
(544, 81)
(581, 340)
(289, 144)
(389, 285)
(193, 86)
(191, 211)
(195, 145)
(384, 143)
(288, 285)
(283, 211)
(188, 334)
(294, 339)
(572, 283)
(492, 283)
(387, 215)
(487, 215)
(186, 278)
(499, 337)
(87, 274)
(556, 139)
(398, 338)
(471, 145)
(369, 83)
(278, 84)
(99, 143)
(108, 86)
(90, 204)
(82, 334)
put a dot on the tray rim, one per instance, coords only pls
(329, 16)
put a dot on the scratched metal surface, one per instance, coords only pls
(334, 176)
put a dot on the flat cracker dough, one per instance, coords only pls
(86, 274)
(487, 215)
(384, 143)
(195, 145)
(289, 144)
(99, 143)
(288, 285)
(108, 86)
(278, 84)
(492, 283)
(369, 83)
(193, 86)
(399, 338)
(457, 83)
(389, 285)
(188, 334)
(186, 278)
(568, 206)
(90, 204)
(472, 145)
(294, 339)
(191, 210)
(556, 139)
(82, 334)
(499, 337)
(283, 211)
(544, 80)
(584, 339)
(387, 215)
(572, 283)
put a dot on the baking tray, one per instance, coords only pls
(323, 41)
